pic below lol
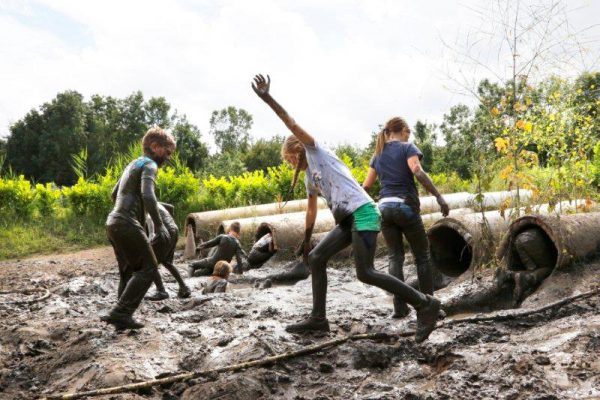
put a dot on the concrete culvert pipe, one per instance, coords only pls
(574, 237)
(462, 243)
(204, 224)
(287, 229)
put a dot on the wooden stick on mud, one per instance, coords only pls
(25, 291)
(310, 350)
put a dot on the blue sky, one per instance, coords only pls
(339, 67)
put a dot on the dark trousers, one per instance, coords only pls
(399, 219)
(164, 252)
(363, 246)
(137, 265)
(204, 267)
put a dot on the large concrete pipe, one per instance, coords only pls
(489, 200)
(465, 242)
(574, 237)
(204, 224)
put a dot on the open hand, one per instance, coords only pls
(261, 85)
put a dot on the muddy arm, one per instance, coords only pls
(415, 166)
(261, 87)
(115, 191)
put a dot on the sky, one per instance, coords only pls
(340, 68)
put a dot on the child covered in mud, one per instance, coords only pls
(227, 246)
(218, 282)
(262, 250)
(396, 164)
(134, 196)
(357, 223)
(164, 252)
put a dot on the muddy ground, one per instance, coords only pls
(59, 345)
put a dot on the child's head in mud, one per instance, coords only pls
(158, 144)
(395, 129)
(222, 270)
(294, 153)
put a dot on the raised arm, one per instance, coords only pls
(210, 243)
(415, 166)
(261, 87)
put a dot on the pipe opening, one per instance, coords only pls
(450, 252)
(531, 248)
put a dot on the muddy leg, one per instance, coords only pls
(393, 239)
(335, 241)
(184, 290)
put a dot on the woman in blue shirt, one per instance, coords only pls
(396, 163)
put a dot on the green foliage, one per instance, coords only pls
(16, 198)
(46, 198)
(230, 128)
(449, 183)
(89, 199)
(263, 153)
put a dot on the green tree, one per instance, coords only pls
(230, 127)
(192, 151)
(458, 153)
(425, 141)
(263, 153)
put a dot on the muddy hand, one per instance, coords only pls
(444, 207)
(261, 85)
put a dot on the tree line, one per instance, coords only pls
(41, 144)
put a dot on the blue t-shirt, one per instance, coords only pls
(395, 177)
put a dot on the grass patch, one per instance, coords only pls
(23, 238)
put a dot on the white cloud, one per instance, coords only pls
(340, 68)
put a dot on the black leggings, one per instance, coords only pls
(363, 246)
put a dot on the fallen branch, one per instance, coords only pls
(310, 350)
(26, 292)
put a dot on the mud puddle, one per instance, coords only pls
(59, 344)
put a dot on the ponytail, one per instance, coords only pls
(395, 124)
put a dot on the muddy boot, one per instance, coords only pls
(238, 269)
(157, 296)
(427, 316)
(309, 324)
(190, 271)
(184, 292)
(401, 310)
(121, 322)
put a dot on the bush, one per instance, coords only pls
(16, 197)
(46, 198)
(90, 200)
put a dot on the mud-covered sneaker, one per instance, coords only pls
(121, 322)
(427, 316)
(190, 271)
(157, 296)
(401, 310)
(309, 324)
(184, 292)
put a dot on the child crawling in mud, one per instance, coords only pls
(164, 252)
(227, 246)
(218, 282)
(134, 196)
(357, 224)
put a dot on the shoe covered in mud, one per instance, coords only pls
(184, 292)
(190, 271)
(401, 310)
(121, 322)
(238, 269)
(157, 296)
(308, 325)
(427, 316)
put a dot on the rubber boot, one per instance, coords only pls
(121, 322)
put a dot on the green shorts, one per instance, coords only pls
(367, 218)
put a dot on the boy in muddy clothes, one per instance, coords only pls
(227, 246)
(165, 252)
(537, 255)
(134, 196)
(261, 252)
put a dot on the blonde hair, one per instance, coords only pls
(222, 269)
(395, 124)
(157, 135)
(292, 145)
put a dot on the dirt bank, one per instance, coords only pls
(59, 344)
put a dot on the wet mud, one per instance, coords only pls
(59, 345)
